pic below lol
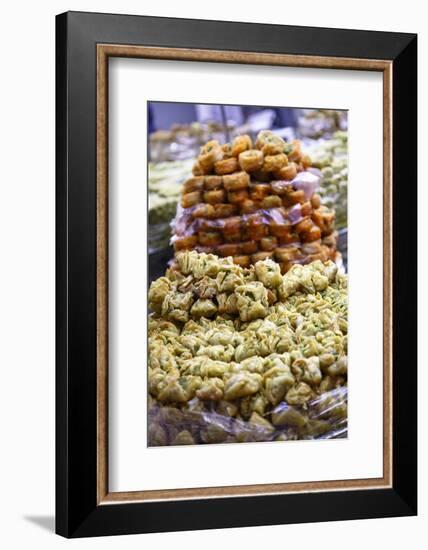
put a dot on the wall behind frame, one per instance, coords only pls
(27, 274)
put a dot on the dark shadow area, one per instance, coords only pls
(45, 522)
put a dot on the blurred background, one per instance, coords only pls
(178, 130)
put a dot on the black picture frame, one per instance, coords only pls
(77, 512)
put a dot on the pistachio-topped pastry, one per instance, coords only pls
(247, 344)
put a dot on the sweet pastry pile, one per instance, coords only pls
(331, 157)
(248, 345)
(255, 202)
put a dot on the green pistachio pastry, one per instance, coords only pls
(261, 350)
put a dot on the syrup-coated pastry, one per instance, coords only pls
(315, 201)
(280, 229)
(323, 217)
(250, 345)
(305, 225)
(312, 234)
(193, 184)
(203, 211)
(306, 162)
(227, 150)
(226, 166)
(235, 237)
(249, 247)
(248, 206)
(211, 152)
(269, 143)
(267, 244)
(285, 254)
(241, 144)
(289, 238)
(215, 196)
(273, 163)
(258, 191)
(231, 225)
(260, 256)
(209, 239)
(236, 181)
(312, 247)
(281, 187)
(288, 172)
(213, 182)
(243, 261)
(225, 210)
(254, 228)
(185, 243)
(272, 201)
(251, 160)
(294, 197)
(237, 197)
(296, 151)
(197, 169)
(190, 199)
(229, 249)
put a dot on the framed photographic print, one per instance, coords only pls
(236, 274)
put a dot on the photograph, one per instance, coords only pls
(247, 261)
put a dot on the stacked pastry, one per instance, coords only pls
(255, 202)
(249, 354)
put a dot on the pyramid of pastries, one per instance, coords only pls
(254, 202)
(229, 345)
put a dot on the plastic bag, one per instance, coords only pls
(201, 423)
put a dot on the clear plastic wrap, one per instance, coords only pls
(201, 423)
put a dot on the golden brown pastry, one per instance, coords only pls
(267, 244)
(277, 229)
(209, 239)
(225, 210)
(185, 243)
(241, 144)
(285, 254)
(323, 217)
(197, 169)
(213, 182)
(258, 191)
(315, 201)
(273, 201)
(269, 143)
(251, 160)
(248, 206)
(243, 261)
(193, 184)
(305, 225)
(249, 247)
(306, 162)
(226, 166)
(296, 151)
(288, 172)
(294, 197)
(229, 249)
(260, 256)
(203, 211)
(211, 152)
(190, 199)
(273, 163)
(237, 197)
(312, 234)
(236, 181)
(215, 196)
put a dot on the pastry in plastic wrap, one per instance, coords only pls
(242, 354)
(261, 197)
